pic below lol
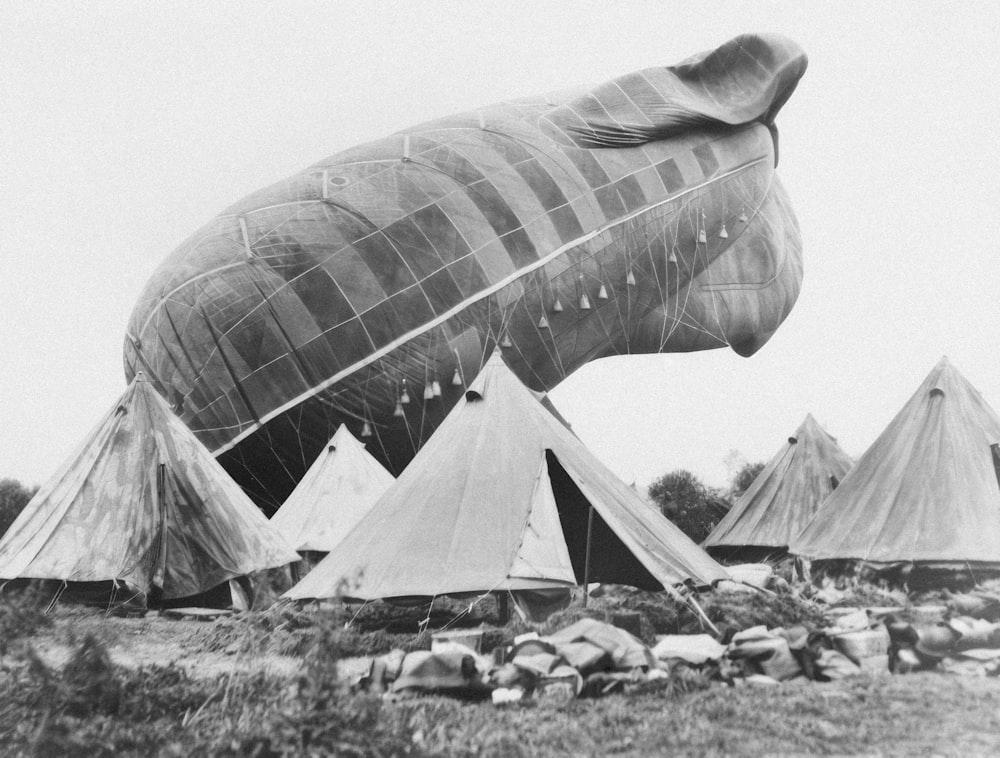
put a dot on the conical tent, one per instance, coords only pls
(925, 492)
(783, 497)
(505, 497)
(141, 501)
(337, 491)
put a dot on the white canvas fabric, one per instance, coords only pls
(539, 554)
(926, 491)
(473, 512)
(339, 488)
(786, 493)
(141, 501)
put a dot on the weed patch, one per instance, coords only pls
(22, 613)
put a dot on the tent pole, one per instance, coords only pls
(586, 560)
(995, 450)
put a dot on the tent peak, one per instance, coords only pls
(925, 491)
(504, 497)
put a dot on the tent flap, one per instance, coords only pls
(478, 510)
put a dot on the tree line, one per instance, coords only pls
(694, 507)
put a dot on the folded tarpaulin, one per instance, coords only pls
(692, 648)
(767, 652)
(624, 649)
(424, 671)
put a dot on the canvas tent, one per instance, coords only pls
(339, 488)
(926, 491)
(505, 497)
(142, 503)
(783, 497)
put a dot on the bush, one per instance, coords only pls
(13, 497)
(22, 612)
(96, 708)
(743, 478)
(686, 501)
(735, 611)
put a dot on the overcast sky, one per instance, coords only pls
(124, 127)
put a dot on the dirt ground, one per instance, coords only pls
(157, 640)
(918, 714)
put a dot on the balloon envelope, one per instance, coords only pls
(643, 215)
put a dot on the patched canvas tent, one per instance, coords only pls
(339, 488)
(925, 492)
(505, 497)
(141, 502)
(783, 497)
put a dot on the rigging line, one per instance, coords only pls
(237, 214)
(699, 327)
(627, 326)
(427, 384)
(330, 398)
(683, 311)
(420, 392)
(423, 625)
(377, 430)
(243, 262)
(298, 439)
(559, 363)
(691, 321)
(353, 618)
(665, 296)
(553, 353)
(473, 604)
(506, 318)
(183, 348)
(715, 305)
(323, 202)
(778, 269)
(304, 205)
(414, 444)
(706, 270)
(646, 251)
(55, 597)
(581, 187)
(614, 294)
(304, 370)
(229, 368)
(482, 294)
(278, 458)
(251, 472)
(675, 250)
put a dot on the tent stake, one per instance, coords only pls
(586, 560)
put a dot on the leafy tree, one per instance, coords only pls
(743, 478)
(685, 500)
(13, 497)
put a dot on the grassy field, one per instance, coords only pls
(77, 683)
